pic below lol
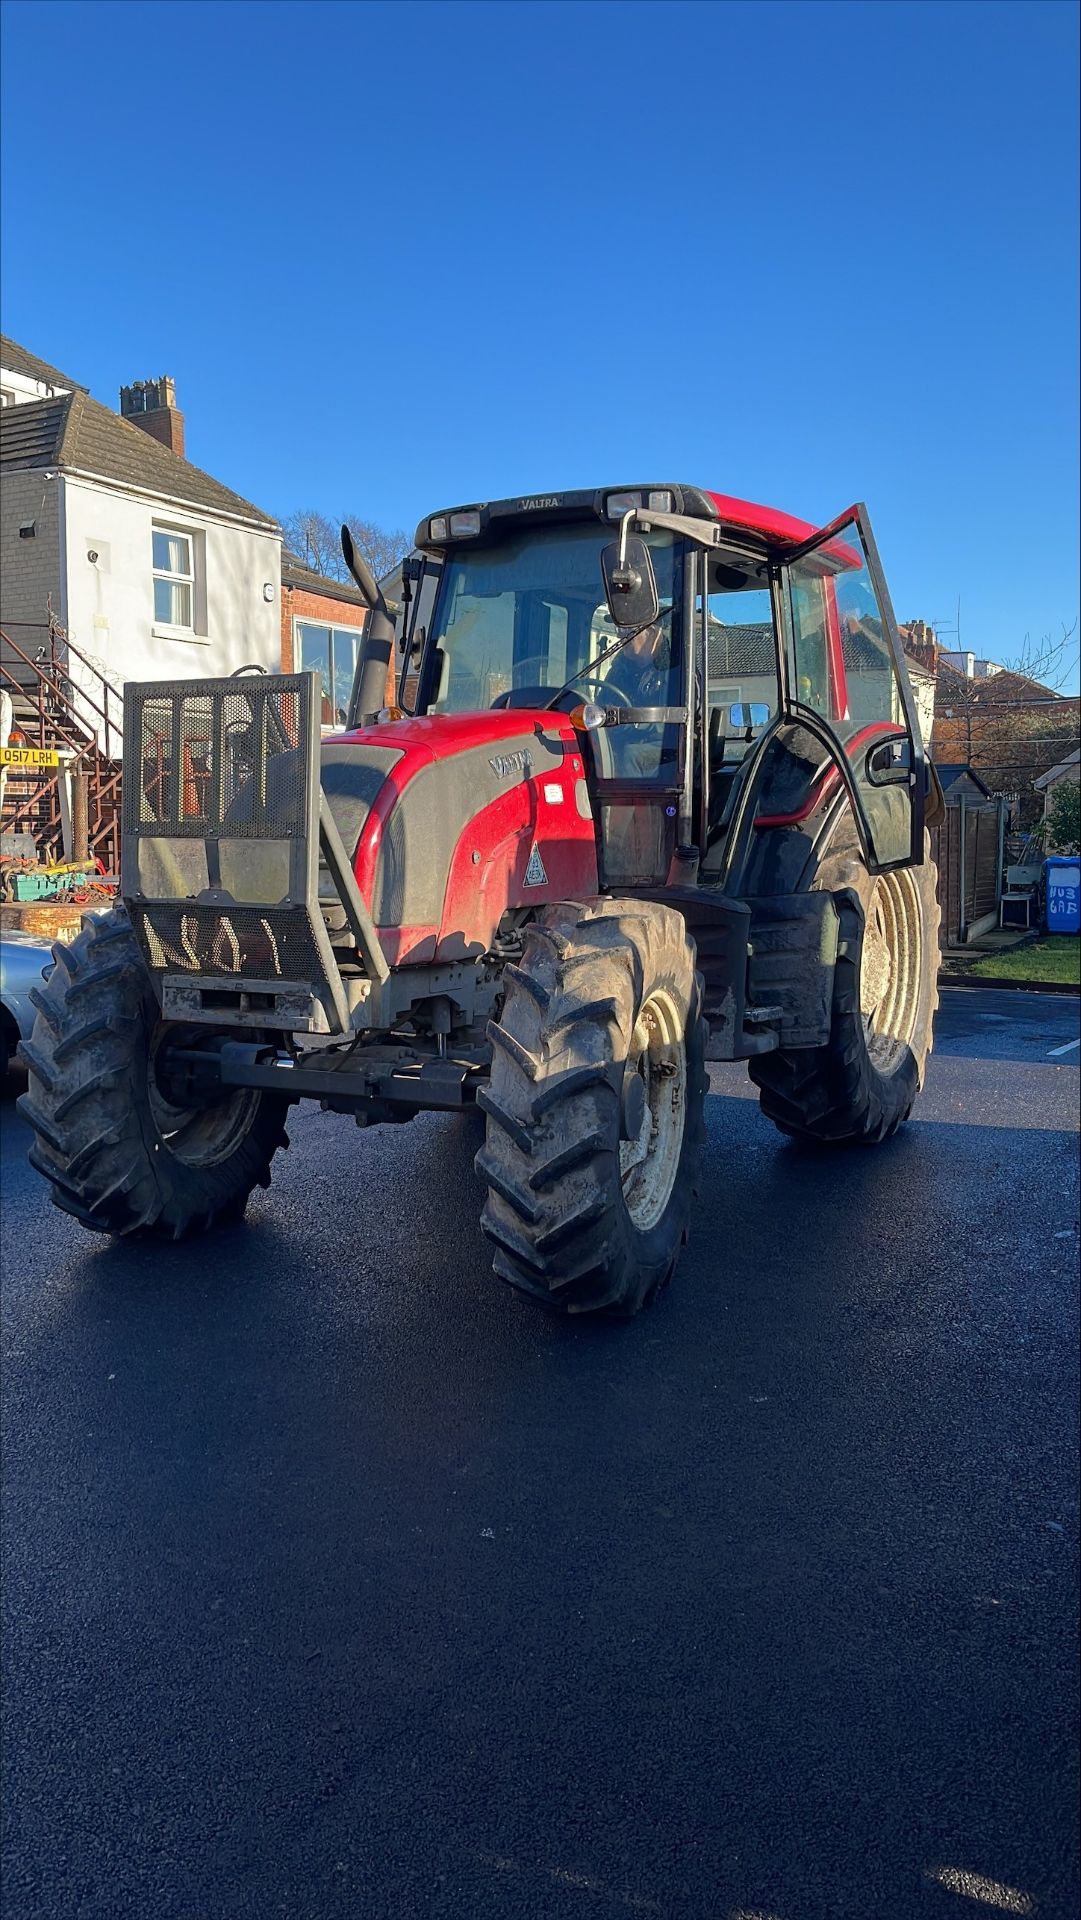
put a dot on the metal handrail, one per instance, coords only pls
(38, 809)
(107, 688)
(55, 688)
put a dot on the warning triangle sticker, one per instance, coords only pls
(535, 875)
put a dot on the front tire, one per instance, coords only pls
(117, 1155)
(595, 1107)
(861, 1086)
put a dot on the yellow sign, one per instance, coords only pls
(28, 757)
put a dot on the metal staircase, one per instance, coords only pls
(63, 704)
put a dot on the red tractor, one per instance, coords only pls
(655, 794)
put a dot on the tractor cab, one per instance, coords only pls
(769, 658)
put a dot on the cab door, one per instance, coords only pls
(847, 683)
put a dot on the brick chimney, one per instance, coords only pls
(151, 404)
(921, 644)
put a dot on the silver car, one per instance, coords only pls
(24, 959)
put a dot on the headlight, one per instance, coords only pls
(617, 504)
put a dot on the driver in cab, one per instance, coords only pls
(638, 677)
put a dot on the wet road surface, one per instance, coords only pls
(339, 1581)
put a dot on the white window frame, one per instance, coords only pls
(186, 628)
(355, 634)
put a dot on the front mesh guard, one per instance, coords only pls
(224, 822)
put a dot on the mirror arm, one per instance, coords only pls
(704, 533)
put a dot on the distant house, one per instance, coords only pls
(922, 651)
(152, 568)
(24, 377)
(1011, 728)
(1068, 770)
(968, 665)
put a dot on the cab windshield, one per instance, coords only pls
(514, 621)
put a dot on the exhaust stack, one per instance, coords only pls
(377, 643)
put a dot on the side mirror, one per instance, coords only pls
(630, 586)
(746, 718)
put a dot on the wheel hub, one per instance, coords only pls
(877, 965)
(654, 1093)
(891, 969)
(200, 1128)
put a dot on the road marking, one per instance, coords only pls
(1068, 1048)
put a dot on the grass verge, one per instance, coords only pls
(1053, 960)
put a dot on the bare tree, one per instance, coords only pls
(316, 539)
(1047, 661)
(380, 547)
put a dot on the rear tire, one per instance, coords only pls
(117, 1156)
(595, 1107)
(861, 1086)
(9, 1040)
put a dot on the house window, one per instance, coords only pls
(332, 651)
(174, 578)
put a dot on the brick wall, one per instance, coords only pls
(297, 603)
(29, 569)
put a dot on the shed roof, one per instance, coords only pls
(1059, 771)
(951, 771)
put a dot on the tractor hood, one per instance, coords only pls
(451, 820)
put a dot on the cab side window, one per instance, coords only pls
(741, 663)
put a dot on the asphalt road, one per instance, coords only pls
(339, 1581)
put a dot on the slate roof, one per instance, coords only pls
(296, 574)
(77, 432)
(998, 688)
(16, 359)
(30, 432)
(745, 649)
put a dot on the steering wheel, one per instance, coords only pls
(541, 697)
(613, 696)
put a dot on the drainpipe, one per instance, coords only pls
(1001, 854)
(962, 916)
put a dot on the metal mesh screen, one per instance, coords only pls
(221, 800)
(239, 943)
(203, 755)
(151, 790)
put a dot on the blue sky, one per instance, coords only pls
(401, 256)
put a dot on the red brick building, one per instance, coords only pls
(322, 621)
